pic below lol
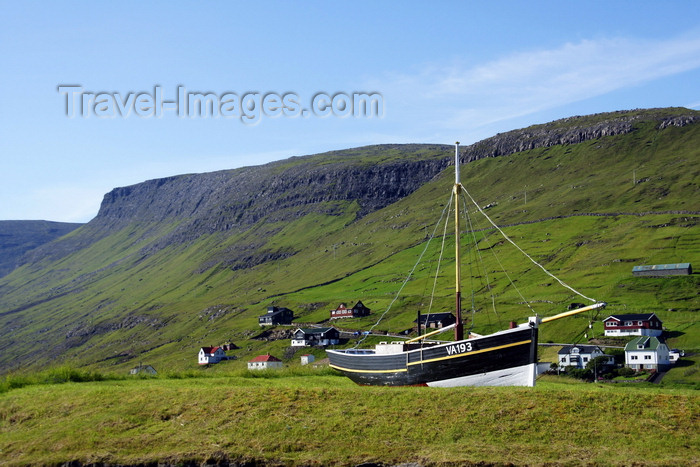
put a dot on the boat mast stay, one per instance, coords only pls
(459, 328)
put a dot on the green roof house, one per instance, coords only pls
(647, 353)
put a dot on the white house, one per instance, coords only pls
(306, 359)
(264, 362)
(315, 336)
(578, 356)
(647, 353)
(211, 355)
(639, 324)
(674, 355)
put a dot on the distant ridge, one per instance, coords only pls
(19, 237)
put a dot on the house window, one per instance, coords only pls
(639, 323)
(633, 357)
(611, 323)
(585, 359)
(647, 357)
(628, 323)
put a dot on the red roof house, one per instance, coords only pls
(264, 362)
(211, 355)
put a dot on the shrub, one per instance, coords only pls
(580, 373)
(625, 371)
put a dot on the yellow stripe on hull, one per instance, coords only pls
(514, 344)
(472, 352)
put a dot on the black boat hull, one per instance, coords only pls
(506, 358)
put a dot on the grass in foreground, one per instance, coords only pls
(326, 420)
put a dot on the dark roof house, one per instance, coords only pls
(315, 336)
(578, 356)
(637, 324)
(276, 315)
(436, 320)
(355, 312)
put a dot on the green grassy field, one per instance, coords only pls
(307, 417)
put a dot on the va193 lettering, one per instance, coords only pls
(462, 347)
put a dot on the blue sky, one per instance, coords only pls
(445, 71)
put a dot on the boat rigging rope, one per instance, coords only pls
(398, 293)
(442, 250)
(523, 252)
(480, 261)
(503, 269)
(584, 334)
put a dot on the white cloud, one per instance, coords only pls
(459, 96)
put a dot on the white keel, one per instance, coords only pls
(518, 376)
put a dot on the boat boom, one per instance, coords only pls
(446, 328)
(595, 306)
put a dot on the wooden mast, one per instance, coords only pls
(459, 328)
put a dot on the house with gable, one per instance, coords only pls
(647, 353)
(307, 358)
(143, 369)
(209, 355)
(436, 320)
(355, 312)
(276, 315)
(578, 356)
(322, 337)
(264, 362)
(640, 324)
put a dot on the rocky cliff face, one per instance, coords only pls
(237, 199)
(234, 200)
(574, 130)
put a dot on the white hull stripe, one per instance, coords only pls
(517, 376)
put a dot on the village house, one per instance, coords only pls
(147, 369)
(578, 356)
(315, 337)
(436, 320)
(209, 355)
(264, 362)
(276, 315)
(307, 358)
(641, 324)
(355, 312)
(647, 353)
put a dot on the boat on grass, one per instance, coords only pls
(504, 358)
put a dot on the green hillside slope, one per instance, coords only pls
(588, 211)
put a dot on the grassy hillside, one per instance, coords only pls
(587, 211)
(305, 419)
